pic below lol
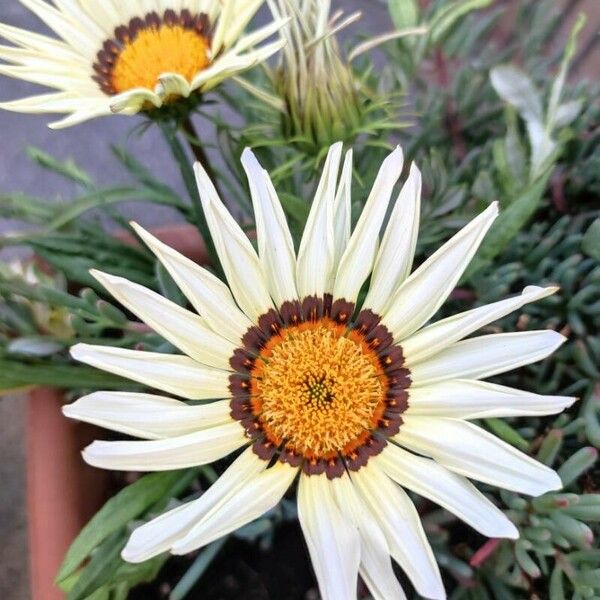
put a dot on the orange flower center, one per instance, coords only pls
(318, 390)
(314, 388)
(168, 49)
(143, 50)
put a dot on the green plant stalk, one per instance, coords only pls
(189, 179)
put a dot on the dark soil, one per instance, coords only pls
(243, 571)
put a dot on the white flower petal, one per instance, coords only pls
(333, 541)
(54, 63)
(487, 355)
(469, 399)
(375, 562)
(53, 102)
(190, 450)
(454, 492)
(235, 15)
(342, 211)
(225, 66)
(316, 252)
(175, 374)
(207, 294)
(161, 533)
(401, 525)
(422, 294)
(396, 253)
(239, 260)
(259, 495)
(444, 333)
(60, 77)
(41, 43)
(275, 244)
(80, 116)
(146, 415)
(357, 261)
(181, 327)
(470, 451)
(133, 101)
(173, 85)
(259, 35)
(84, 41)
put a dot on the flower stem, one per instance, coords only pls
(196, 147)
(189, 179)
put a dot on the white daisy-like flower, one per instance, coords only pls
(358, 401)
(116, 56)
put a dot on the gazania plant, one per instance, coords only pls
(363, 365)
(349, 398)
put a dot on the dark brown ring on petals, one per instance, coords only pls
(367, 330)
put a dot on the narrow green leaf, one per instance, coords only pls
(128, 504)
(510, 221)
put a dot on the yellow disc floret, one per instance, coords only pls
(154, 51)
(317, 390)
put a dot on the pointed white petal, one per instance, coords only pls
(487, 355)
(333, 541)
(316, 252)
(275, 244)
(41, 43)
(224, 66)
(357, 261)
(207, 294)
(454, 492)
(259, 495)
(81, 116)
(401, 525)
(469, 399)
(239, 260)
(175, 374)
(235, 15)
(190, 450)
(470, 451)
(145, 415)
(342, 211)
(48, 103)
(259, 35)
(161, 533)
(422, 294)
(132, 101)
(84, 41)
(181, 327)
(395, 258)
(444, 333)
(376, 564)
(55, 63)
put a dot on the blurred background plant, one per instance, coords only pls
(487, 115)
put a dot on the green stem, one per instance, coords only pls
(189, 179)
(196, 147)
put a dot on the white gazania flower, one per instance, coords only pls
(129, 56)
(356, 401)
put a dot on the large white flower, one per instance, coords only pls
(128, 56)
(355, 400)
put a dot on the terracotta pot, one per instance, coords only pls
(63, 493)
